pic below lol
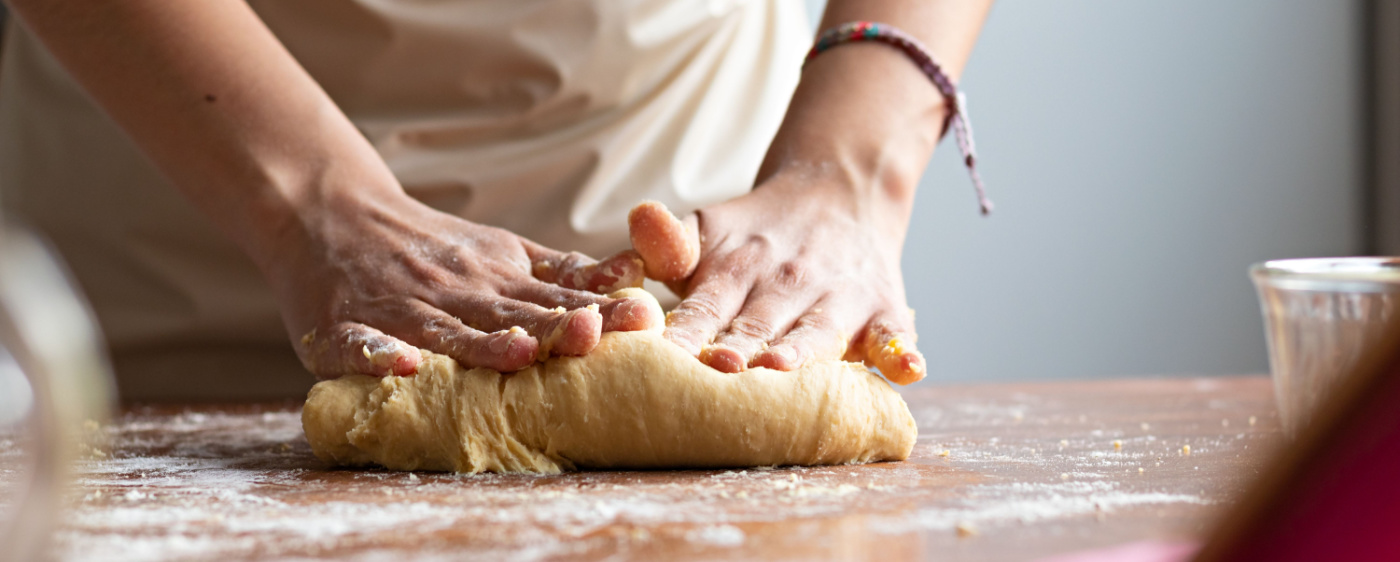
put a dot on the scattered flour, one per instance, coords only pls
(221, 485)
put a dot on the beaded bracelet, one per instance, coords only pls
(957, 102)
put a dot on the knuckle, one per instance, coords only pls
(617, 272)
(679, 329)
(575, 260)
(885, 325)
(757, 244)
(487, 313)
(466, 346)
(573, 268)
(457, 344)
(436, 331)
(819, 323)
(698, 307)
(551, 298)
(791, 274)
(753, 251)
(737, 260)
(685, 336)
(573, 300)
(752, 326)
(429, 274)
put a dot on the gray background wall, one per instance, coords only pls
(1141, 155)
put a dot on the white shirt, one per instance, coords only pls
(550, 118)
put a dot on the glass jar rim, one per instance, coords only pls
(1339, 274)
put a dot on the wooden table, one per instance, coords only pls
(1000, 472)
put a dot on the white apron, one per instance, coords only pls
(550, 118)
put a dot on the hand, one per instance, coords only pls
(362, 285)
(790, 273)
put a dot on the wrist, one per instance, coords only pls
(297, 214)
(864, 116)
(823, 194)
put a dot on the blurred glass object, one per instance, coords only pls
(16, 398)
(1320, 316)
(55, 385)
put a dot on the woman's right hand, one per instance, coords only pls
(363, 283)
(363, 273)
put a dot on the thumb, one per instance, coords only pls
(573, 270)
(670, 248)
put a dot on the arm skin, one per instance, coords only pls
(807, 265)
(359, 268)
(211, 96)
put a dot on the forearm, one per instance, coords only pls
(865, 115)
(218, 104)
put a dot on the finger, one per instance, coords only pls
(558, 331)
(350, 348)
(632, 315)
(619, 314)
(503, 350)
(637, 307)
(889, 348)
(816, 336)
(576, 271)
(765, 315)
(571, 332)
(710, 307)
(668, 247)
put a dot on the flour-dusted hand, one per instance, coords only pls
(806, 266)
(364, 287)
(779, 278)
(363, 273)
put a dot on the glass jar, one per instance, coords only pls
(1321, 315)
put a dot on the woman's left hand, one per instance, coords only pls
(795, 271)
(806, 266)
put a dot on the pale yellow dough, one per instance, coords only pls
(636, 401)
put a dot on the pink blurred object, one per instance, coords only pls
(1143, 551)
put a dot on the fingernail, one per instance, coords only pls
(513, 349)
(913, 362)
(784, 353)
(521, 344)
(405, 365)
(783, 358)
(627, 314)
(584, 319)
(722, 359)
(501, 341)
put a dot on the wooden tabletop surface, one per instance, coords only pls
(1000, 472)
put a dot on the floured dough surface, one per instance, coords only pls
(636, 401)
